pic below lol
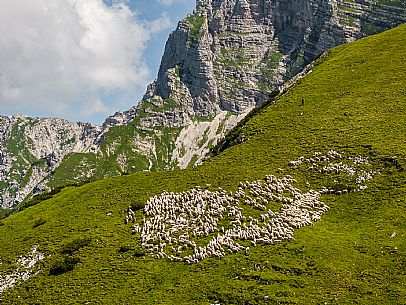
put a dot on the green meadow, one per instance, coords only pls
(354, 102)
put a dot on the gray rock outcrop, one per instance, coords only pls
(32, 148)
(230, 54)
(222, 60)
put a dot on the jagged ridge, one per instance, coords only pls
(221, 61)
(32, 148)
(352, 255)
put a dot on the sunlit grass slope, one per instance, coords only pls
(354, 102)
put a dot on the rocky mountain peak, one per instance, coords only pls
(230, 54)
(224, 59)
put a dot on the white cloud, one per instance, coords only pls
(94, 106)
(170, 2)
(158, 25)
(57, 55)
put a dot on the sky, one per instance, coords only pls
(81, 60)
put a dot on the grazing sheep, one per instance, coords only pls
(174, 221)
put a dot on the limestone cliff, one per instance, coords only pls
(222, 60)
(230, 54)
(30, 149)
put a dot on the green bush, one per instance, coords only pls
(39, 222)
(137, 206)
(125, 248)
(63, 265)
(4, 213)
(75, 245)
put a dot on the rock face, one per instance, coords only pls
(230, 54)
(32, 148)
(224, 59)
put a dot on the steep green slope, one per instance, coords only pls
(205, 64)
(221, 61)
(126, 149)
(354, 103)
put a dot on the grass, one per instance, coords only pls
(121, 141)
(354, 103)
(168, 104)
(196, 22)
(393, 3)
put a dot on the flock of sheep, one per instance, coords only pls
(358, 168)
(197, 224)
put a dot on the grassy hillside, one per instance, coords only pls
(120, 153)
(354, 103)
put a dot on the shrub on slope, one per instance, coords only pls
(354, 102)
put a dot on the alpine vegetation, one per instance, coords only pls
(354, 253)
(222, 60)
(193, 225)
